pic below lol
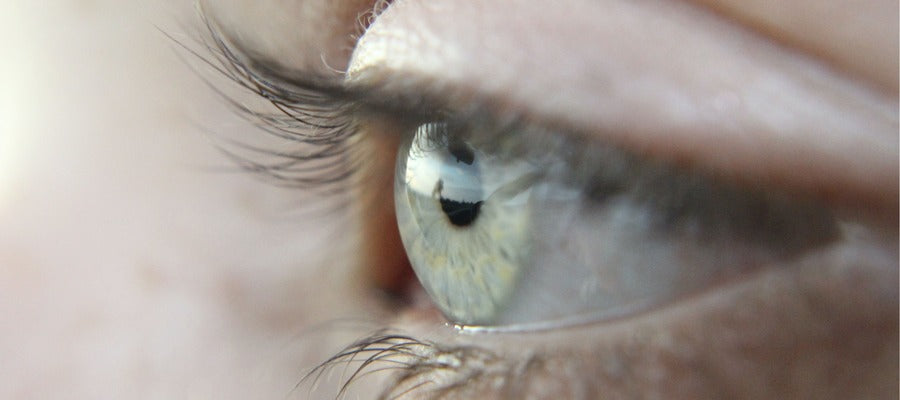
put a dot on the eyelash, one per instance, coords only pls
(413, 359)
(315, 115)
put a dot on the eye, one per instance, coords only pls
(519, 226)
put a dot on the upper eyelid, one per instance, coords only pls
(835, 140)
(405, 103)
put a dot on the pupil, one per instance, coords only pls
(460, 213)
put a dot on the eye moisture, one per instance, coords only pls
(524, 227)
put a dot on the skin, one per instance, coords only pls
(130, 266)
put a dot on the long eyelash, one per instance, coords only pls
(414, 363)
(313, 115)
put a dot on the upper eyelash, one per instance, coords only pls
(320, 114)
(313, 113)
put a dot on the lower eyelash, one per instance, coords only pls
(313, 115)
(414, 363)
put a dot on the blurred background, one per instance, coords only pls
(132, 264)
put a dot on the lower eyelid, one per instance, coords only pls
(715, 345)
(728, 338)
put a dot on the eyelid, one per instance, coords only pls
(730, 102)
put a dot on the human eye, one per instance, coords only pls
(521, 227)
(741, 139)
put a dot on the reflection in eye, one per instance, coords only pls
(523, 226)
